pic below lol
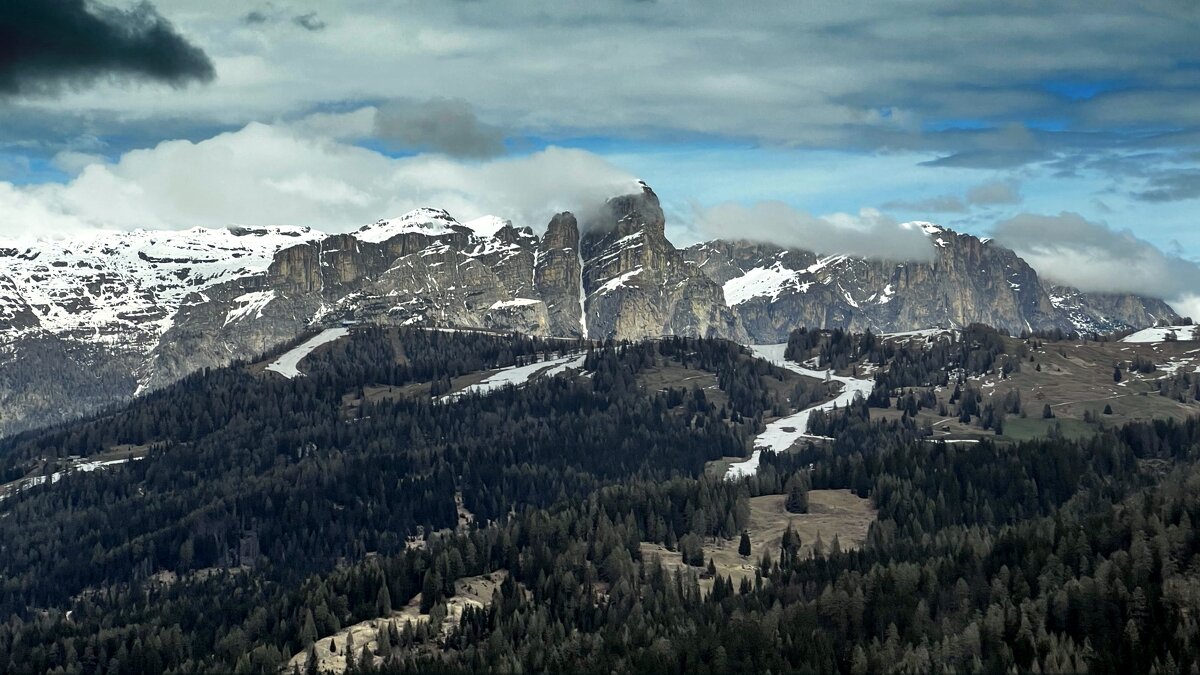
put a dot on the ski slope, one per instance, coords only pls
(786, 431)
(288, 364)
(519, 375)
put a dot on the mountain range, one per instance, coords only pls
(96, 320)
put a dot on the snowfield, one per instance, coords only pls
(112, 286)
(519, 375)
(760, 282)
(785, 431)
(1182, 333)
(426, 221)
(286, 365)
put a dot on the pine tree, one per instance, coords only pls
(797, 494)
(310, 663)
(790, 544)
(744, 545)
(383, 601)
(308, 630)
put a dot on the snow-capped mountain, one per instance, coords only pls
(124, 288)
(91, 321)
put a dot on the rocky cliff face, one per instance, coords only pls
(637, 284)
(1109, 312)
(559, 276)
(967, 280)
(91, 322)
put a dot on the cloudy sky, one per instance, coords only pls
(1070, 131)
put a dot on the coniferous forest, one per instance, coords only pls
(269, 513)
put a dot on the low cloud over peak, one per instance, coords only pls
(868, 234)
(48, 44)
(1069, 249)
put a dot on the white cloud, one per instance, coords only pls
(72, 162)
(274, 174)
(1069, 249)
(867, 234)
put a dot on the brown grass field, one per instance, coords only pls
(831, 513)
(474, 591)
(1076, 378)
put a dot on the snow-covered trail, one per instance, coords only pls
(519, 375)
(785, 431)
(288, 364)
(81, 465)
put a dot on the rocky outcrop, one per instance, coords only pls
(559, 274)
(637, 284)
(16, 316)
(1110, 312)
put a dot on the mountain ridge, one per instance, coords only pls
(165, 304)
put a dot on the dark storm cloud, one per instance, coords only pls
(255, 18)
(309, 22)
(273, 14)
(441, 125)
(47, 44)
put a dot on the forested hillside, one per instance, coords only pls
(270, 514)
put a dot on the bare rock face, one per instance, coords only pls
(638, 285)
(558, 276)
(966, 280)
(522, 315)
(16, 316)
(1109, 312)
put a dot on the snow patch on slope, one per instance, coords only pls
(786, 431)
(288, 364)
(249, 304)
(760, 282)
(519, 375)
(430, 222)
(486, 226)
(619, 282)
(774, 280)
(515, 302)
(1161, 334)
